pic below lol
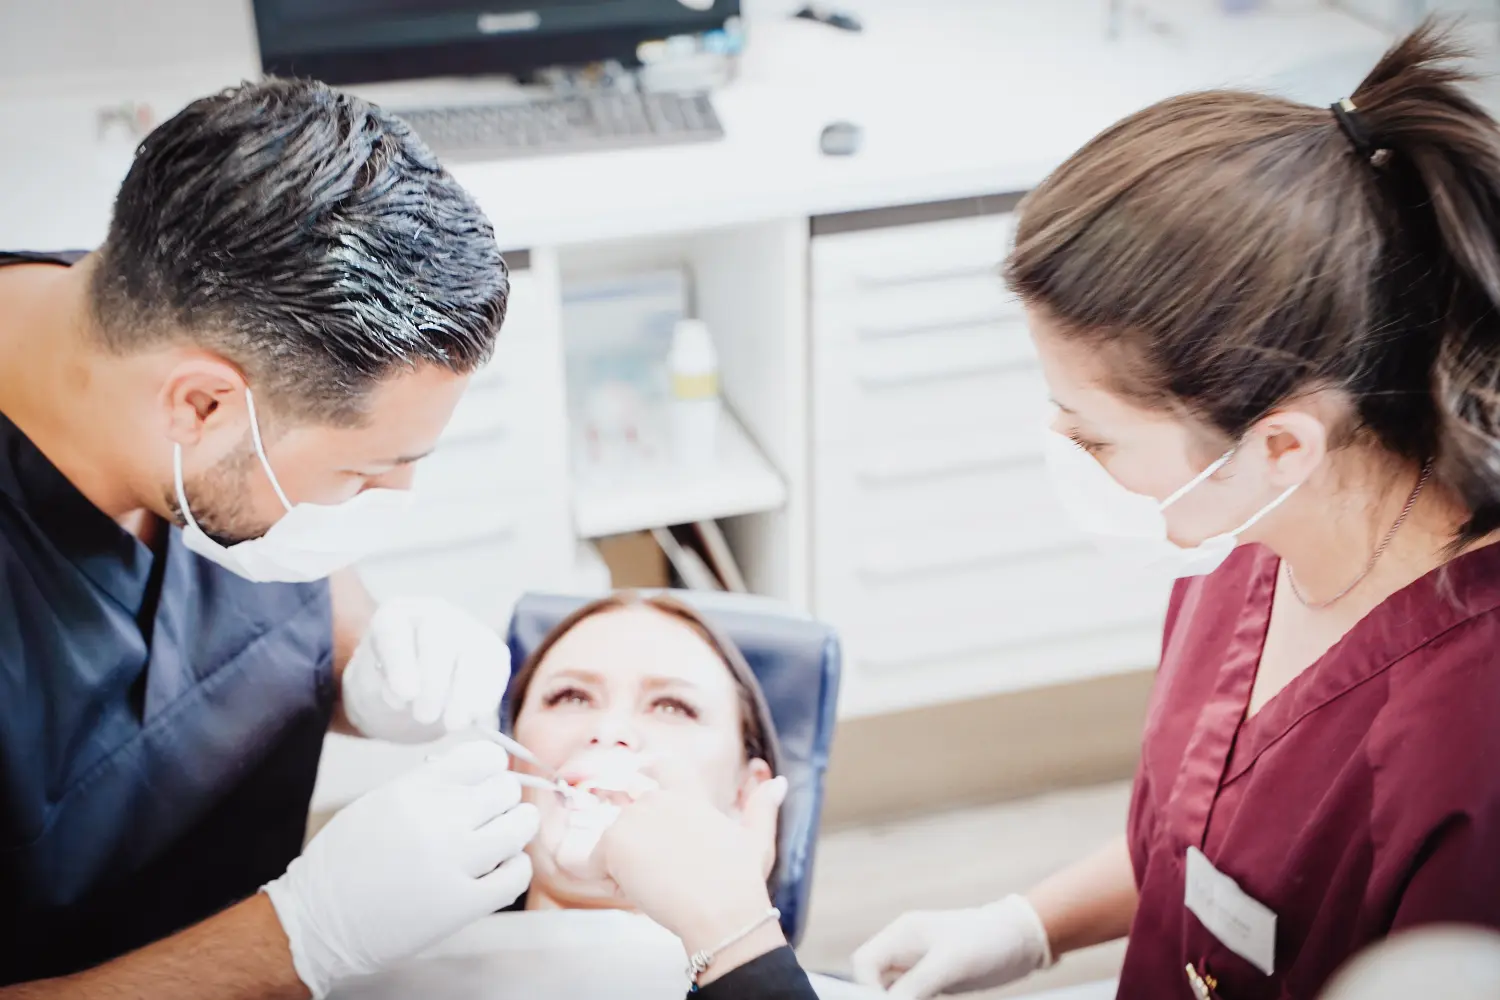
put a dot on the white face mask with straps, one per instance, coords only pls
(1135, 524)
(310, 540)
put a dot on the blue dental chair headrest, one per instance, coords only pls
(797, 662)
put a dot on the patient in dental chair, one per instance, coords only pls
(627, 694)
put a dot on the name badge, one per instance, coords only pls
(1244, 925)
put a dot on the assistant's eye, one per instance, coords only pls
(1092, 447)
(567, 696)
(674, 706)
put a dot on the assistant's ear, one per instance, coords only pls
(202, 397)
(1296, 442)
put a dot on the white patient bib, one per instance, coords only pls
(541, 954)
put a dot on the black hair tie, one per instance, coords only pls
(1348, 118)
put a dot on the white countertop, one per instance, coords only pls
(956, 98)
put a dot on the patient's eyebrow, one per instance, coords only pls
(577, 674)
(659, 681)
(653, 682)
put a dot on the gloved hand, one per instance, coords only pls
(425, 669)
(405, 866)
(926, 953)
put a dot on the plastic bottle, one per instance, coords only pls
(693, 365)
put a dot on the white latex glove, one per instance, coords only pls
(425, 669)
(406, 866)
(925, 953)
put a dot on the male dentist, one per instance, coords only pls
(201, 422)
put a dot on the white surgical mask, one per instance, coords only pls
(1134, 524)
(310, 540)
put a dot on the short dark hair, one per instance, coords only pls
(308, 236)
(1227, 251)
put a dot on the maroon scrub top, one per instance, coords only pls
(1362, 799)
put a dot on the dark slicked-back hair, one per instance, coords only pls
(308, 237)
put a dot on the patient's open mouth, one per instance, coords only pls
(616, 776)
(609, 780)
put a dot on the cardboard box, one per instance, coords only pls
(634, 560)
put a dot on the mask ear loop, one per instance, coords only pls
(182, 502)
(1254, 520)
(1197, 480)
(1215, 467)
(260, 450)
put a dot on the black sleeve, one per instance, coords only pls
(773, 976)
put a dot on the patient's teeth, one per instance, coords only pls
(585, 827)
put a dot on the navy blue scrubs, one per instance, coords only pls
(160, 725)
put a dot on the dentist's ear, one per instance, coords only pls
(200, 395)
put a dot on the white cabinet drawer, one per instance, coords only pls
(936, 536)
(508, 404)
(517, 381)
(913, 312)
(913, 332)
(527, 317)
(479, 557)
(874, 403)
(525, 353)
(916, 255)
(475, 468)
(914, 512)
(930, 351)
(506, 434)
(900, 618)
(478, 574)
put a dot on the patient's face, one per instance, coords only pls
(631, 679)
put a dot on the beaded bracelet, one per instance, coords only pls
(699, 962)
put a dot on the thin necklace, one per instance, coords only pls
(1374, 557)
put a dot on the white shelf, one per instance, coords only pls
(656, 494)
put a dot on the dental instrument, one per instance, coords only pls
(549, 777)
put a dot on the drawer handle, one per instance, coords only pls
(904, 379)
(990, 269)
(878, 478)
(918, 569)
(873, 334)
(885, 664)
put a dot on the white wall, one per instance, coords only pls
(1401, 13)
(68, 42)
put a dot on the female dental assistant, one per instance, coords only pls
(1272, 333)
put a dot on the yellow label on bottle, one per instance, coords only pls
(704, 386)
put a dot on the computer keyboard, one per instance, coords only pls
(613, 120)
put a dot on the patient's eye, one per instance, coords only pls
(566, 696)
(674, 706)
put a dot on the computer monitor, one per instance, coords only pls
(370, 41)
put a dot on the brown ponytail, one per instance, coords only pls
(1228, 250)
